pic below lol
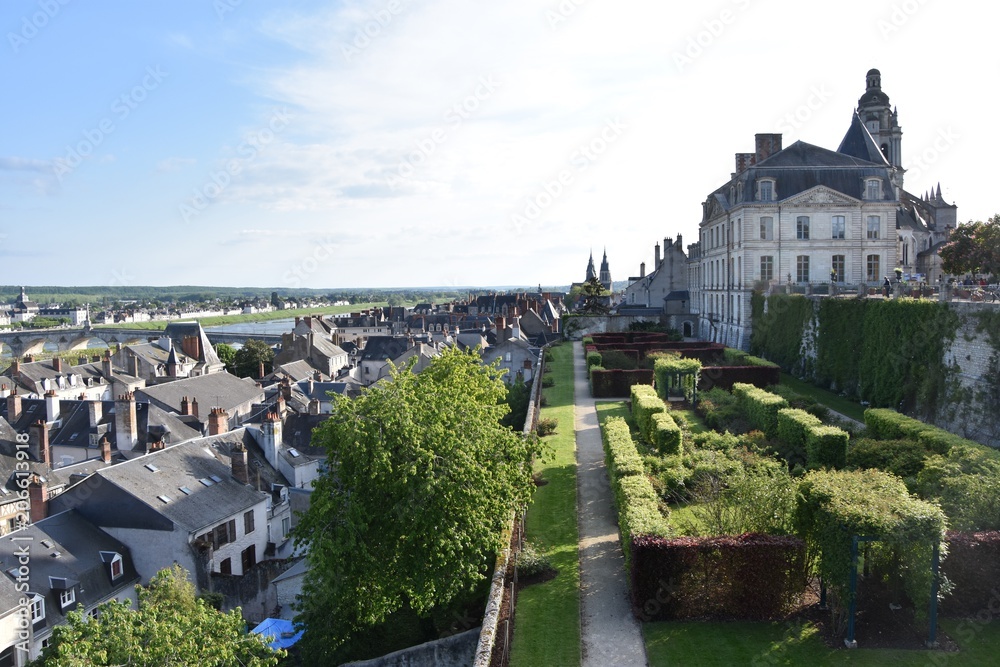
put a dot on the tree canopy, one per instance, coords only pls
(171, 627)
(227, 355)
(248, 359)
(973, 247)
(421, 483)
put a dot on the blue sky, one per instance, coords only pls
(396, 142)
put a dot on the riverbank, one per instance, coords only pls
(253, 317)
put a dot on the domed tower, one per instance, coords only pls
(880, 119)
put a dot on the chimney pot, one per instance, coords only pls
(766, 145)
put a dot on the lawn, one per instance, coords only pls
(254, 317)
(827, 398)
(795, 643)
(547, 621)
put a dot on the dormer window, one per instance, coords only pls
(873, 189)
(37, 608)
(67, 597)
(115, 565)
(765, 190)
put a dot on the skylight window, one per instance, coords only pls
(152, 468)
(206, 481)
(216, 479)
(294, 452)
(186, 491)
(165, 499)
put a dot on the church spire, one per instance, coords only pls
(591, 273)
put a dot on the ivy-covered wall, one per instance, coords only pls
(933, 360)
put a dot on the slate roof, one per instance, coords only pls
(129, 494)
(858, 142)
(79, 544)
(221, 390)
(176, 331)
(384, 348)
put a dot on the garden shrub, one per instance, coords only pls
(826, 447)
(620, 360)
(621, 456)
(760, 407)
(531, 561)
(973, 568)
(546, 426)
(721, 442)
(594, 359)
(617, 384)
(965, 482)
(758, 498)
(793, 426)
(666, 434)
(886, 424)
(902, 458)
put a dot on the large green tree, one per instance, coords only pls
(227, 355)
(248, 359)
(171, 627)
(973, 247)
(421, 482)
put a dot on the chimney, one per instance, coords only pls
(51, 406)
(656, 256)
(309, 321)
(642, 269)
(218, 421)
(191, 346)
(260, 369)
(767, 145)
(38, 441)
(194, 407)
(13, 405)
(29, 358)
(96, 411)
(38, 498)
(82, 360)
(157, 445)
(126, 427)
(135, 365)
(241, 471)
(106, 365)
(185, 406)
(744, 161)
(317, 376)
(314, 406)
(279, 405)
(297, 320)
(105, 447)
(57, 364)
(271, 438)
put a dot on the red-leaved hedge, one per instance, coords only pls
(973, 566)
(751, 576)
(616, 383)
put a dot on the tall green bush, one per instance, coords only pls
(826, 447)
(666, 434)
(777, 334)
(760, 407)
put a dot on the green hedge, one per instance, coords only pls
(792, 427)
(666, 434)
(734, 357)
(620, 453)
(759, 406)
(886, 424)
(826, 447)
(645, 403)
(594, 359)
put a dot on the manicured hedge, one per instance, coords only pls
(886, 424)
(760, 407)
(635, 498)
(751, 577)
(666, 434)
(606, 383)
(826, 447)
(645, 403)
(793, 426)
(594, 359)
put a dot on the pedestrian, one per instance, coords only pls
(886, 287)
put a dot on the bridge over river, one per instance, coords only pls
(32, 341)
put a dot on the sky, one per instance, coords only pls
(391, 143)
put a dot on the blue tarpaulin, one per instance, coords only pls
(282, 633)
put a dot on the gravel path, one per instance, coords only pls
(610, 634)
